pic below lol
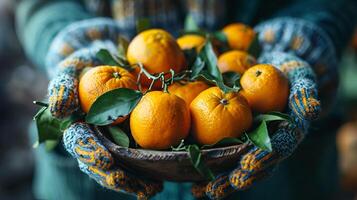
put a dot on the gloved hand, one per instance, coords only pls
(286, 44)
(96, 161)
(257, 164)
(72, 50)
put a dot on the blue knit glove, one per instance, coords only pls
(73, 49)
(308, 42)
(257, 164)
(292, 45)
(97, 162)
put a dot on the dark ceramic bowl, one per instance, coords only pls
(172, 165)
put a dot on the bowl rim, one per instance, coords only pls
(156, 155)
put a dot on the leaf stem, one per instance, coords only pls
(39, 103)
(164, 82)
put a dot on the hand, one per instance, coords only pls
(97, 162)
(72, 50)
(257, 164)
(303, 93)
(307, 41)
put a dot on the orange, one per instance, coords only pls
(158, 51)
(160, 120)
(346, 145)
(187, 90)
(84, 70)
(191, 41)
(216, 115)
(235, 61)
(265, 87)
(239, 36)
(101, 79)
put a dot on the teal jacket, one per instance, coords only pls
(38, 21)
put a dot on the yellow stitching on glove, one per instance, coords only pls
(239, 181)
(77, 62)
(93, 155)
(296, 42)
(93, 33)
(291, 65)
(65, 50)
(250, 162)
(269, 35)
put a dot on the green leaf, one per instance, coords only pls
(231, 79)
(255, 48)
(205, 66)
(191, 56)
(119, 136)
(204, 74)
(68, 121)
(209, 57)
(142, 25)
(224, 142)
(190, 24)
(197, 67)
(48, 127)
(196, 159)
(220, 36)
(273, 116)
(51, 144)
(260, 137)
(122, 47)
(113, 104)
(106, 57)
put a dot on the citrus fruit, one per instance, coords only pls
(101, 79)
(84, 70)
(160, 120)
(265, 87)
(158, 51)
(346, 146)
(235, 61)
(191, 41)
(216, 115)
(187, 90)
(239, 36)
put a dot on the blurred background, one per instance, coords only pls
(20, 84)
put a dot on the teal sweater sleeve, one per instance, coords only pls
(38, 22)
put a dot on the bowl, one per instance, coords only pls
(172, 165)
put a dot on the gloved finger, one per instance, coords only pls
(284, 142)
(286, 139)
(219, 188)
(80, 141)
(63, 95)
(257, 159)
(63, 89)
(118, 180)
(303, 100)
(223, 185)
(309, 42)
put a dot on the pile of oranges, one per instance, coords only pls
(189, 108)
